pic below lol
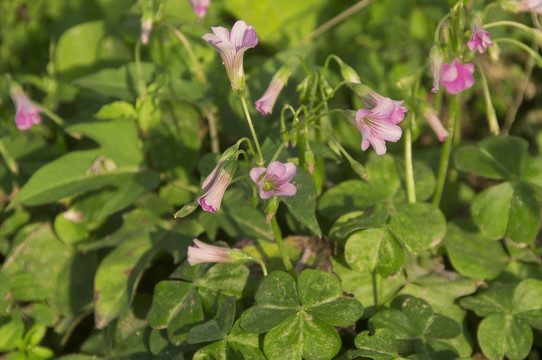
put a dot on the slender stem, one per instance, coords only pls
(140, 82)
(446, 151)
(518, 99)
(301, 148)
(282, 249)
(199, 72)
(375, 289)
(536, 57)
(334, 21)
(57, 119)
(213, 132)
(409, 171)
(511, 23)
(260, 161)
(439, 27)
(490, 110)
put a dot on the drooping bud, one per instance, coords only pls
(216, 183)
(431, 116)
(265, 104)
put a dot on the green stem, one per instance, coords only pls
(199, 72)
(282, 249)
(140, 82)
(409, 172)
(530, 30)
(334, 21)
(490, 110)
(57, 119)
(536, 57)
(439, 27)
(375, 289)
(260, 161)
(446, 152)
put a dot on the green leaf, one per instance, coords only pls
(380, 346)
(503, 335)
(284, 24)
(419, 226)
(10, 333)
(473, 255)
(226, 278)
(495, 157)
(80, 171)
(303, 204)
(86, 47)
(374, 250)
(36, 259)
(320, 293)
(215, 329)
(168, 301)
(68, 231)
(120, 271)
(189, 313)
(527, 302)
(382, 184)
(120, 83)
(357, 220)
(116, 109)
(497, 300)
(507, 209)
(276, 300)
(302, 337)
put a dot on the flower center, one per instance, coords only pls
(268, 185)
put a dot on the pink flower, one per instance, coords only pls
(480, 38)
(200, 7)
(531, 5)
(216, 183)
(432, 119)
(265, 104)
(27, 114)
(378, 126)
(457, 77)
(204, 253)
(371, 98)
(275, 180)
(231, 48)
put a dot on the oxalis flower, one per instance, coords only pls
(200, 7)
(457, 77)
(204, 253)
(265, 104)
(431, 116)
(480, 38)
(376, 126)
(216, 183)
(231, 48)
(27, 114)
(531, 5)
(275, 179)
(372, 99)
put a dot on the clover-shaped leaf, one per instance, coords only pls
(413, 319)
(299, 319)
(380, 346)
(508, 311)
(494, 157)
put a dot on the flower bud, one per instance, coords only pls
(431, 116)
(436, 59)
(265, 104)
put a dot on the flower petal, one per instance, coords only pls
(286, 190)
(276, 170)
(255, 173)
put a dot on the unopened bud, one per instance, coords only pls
(436, 58)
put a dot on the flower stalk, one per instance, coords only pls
(282, 249)
(260, 160)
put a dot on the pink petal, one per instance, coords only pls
(221, 33)
(384, 110)
(449, 73)
(255, 173)
(379, 145)
(287, 190)
(276, 170)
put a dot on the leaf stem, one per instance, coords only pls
(200, 75)
(446, 151)
(282, 249)
(260, 161)
(409, 172)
